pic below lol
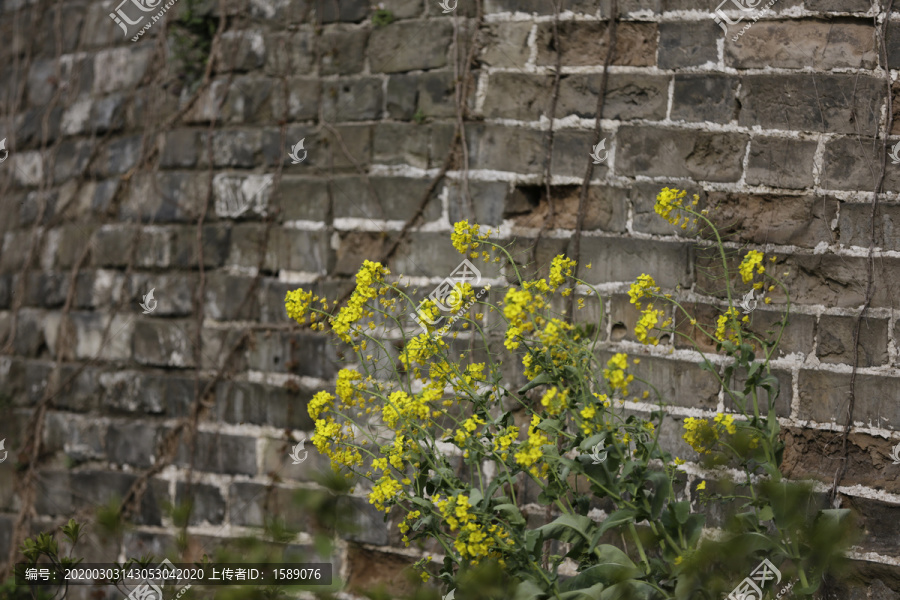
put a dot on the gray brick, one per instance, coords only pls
(704, 98)
(97, 337)
(838, 103)
(352, 11)
(206, 501)
(165, 197)
(508, 148)
(108, 113)
(180, 148)
(53, 493)
(290, 53)
(506, 44)
(851, 163)
(835, 344)
(219, 453)
(304, 96)
(300, 354)
(251, 504)
(401, 143)
(366, 522)
(71, 160)
(488, 199)
(780, 162)
(823, 398)
(437, 95)
(708, 156)
(822, 45)
(342, 51)
(396, 198)
(92, 488)
(81, 439)
(688, 44)
(855, 225)
(241, 51)
(352, 99)
(164, 343)
(585, 43)
(131, 443)
(402, 96)
(216, 243)
(226, 298)
(409, 45)
(242, 402)
(803, 220)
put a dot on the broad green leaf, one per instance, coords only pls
(619, 517)
(606, 574)
(590, 593)
(511, 513)
(528, 590)
(541, 379)
(629, 590)
(564, 526)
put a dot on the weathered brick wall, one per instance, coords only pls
(123, 158)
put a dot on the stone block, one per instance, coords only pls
(688, 44)
(352, 99)
(822, 45)
(780, 162)
(835, 344)
(704, 97)
(409, 45)
(342, 51)
(839, 103)
(708, 156)
(584, 43)
(216, 452)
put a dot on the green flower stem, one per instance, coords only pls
(640, 547)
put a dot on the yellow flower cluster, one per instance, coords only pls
(297, 303)
(752, 262)
(668, 201)
(385, 491)
(587, 413)
(643, 287)
(468, 427)
(421, 348)
(703, 435)
(466, 237)
(615, 373)
(369, 274)
(517, 305)
(474, 541)
(503, 441)
(404, 524)
(321, 402)
(727, 327)
(555, 401)
(648, 321)
(530, 451)
(403, 406)
(560, 268)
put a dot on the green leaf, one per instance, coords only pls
(607, 573)
(511, 512)
(619, 517)
(681, 511)
(528, 590)
(563, 527)
(541, 379)
(662, 486)
(629, 590)
(591, 593)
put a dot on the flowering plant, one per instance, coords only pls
(460, 452)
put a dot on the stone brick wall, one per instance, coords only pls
(124, 159)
